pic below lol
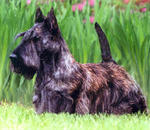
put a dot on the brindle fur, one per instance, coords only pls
(64, 85)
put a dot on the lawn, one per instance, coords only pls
(19, 117)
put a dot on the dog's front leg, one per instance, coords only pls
(83, 104)
(53, 101)
(40, 101)
(59, 102)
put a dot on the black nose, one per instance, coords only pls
(13, 56)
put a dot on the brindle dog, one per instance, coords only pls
(64, 85)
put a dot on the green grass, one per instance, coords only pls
(127, 31)
(18, 117)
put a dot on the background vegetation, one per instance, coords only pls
(127, 29)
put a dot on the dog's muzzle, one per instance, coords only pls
(13, 56)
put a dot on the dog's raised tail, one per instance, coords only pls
(105, 49)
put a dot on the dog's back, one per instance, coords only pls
(111, 90)
(109, 87)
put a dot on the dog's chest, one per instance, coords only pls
(53, 96)
(56, 85)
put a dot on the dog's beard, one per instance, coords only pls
(21, 68)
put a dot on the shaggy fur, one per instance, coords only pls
(62, 84)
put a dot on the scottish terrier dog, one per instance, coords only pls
(64, 85)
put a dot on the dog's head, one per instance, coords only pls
(38, 43)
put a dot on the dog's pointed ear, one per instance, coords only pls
(51, 23)
(39, 17)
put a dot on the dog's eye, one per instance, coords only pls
(37, 29)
